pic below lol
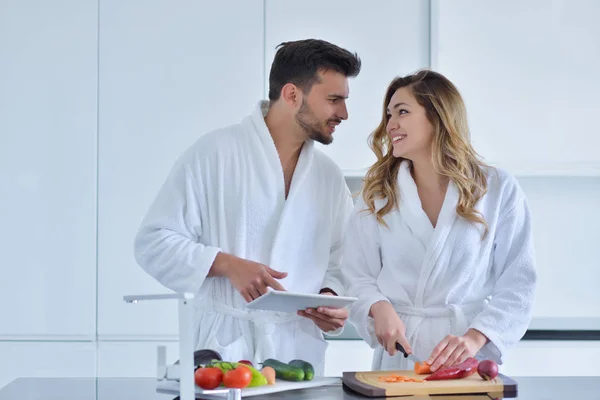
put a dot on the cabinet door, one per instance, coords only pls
(390, 36)
(48, 121)
(566, 228)
(528, 73)
(169, 72)
(347, 355)
(47, 360)
(133, 358)
(552, 358)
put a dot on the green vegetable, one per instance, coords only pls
(285, 371)
(309, 371)
(224, 366)
(258, 379)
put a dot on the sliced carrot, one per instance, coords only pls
(422, 369)
(393, 378)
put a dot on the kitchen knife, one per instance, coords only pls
(410, 356)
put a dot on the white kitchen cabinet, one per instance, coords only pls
(566, 229)
(48, 125)
(46, 360)
(132, 358)
(347, 355)
(390, 36)
(553, 358)
(169, 72)
(527, 71)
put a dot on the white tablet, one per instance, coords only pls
(277, 300)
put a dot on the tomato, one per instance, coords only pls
(208, 378)
(237, 378)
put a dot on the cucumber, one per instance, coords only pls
(309, 371)
(285, 371)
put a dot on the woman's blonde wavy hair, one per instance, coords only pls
(452, 153)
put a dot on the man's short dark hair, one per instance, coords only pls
(299, 62)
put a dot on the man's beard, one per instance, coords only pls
(310, 124)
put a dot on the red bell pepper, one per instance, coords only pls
(462, 370)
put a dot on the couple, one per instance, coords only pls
(437, 250)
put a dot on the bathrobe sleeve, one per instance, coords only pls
(361, 267)
(333, 276)
(505, 319)
(167, 244)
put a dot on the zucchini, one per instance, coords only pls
(285, 371)
(309, 371)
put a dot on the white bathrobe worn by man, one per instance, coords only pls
(227, 193)
(443, 280)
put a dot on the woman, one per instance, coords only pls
(439, 249)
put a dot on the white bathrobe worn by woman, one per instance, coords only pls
(443, 280)
(227, 193)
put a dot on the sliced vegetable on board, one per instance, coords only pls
(462, 370)
(394, 378)
(422, 368)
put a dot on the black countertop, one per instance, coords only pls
(530, 388)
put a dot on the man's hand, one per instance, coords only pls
(249, 278)
(326, 318)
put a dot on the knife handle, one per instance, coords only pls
(401, 349)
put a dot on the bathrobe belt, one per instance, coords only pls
(456, 312)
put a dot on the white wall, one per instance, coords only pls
(98, 98)
(527, 70)
(358, 27)
(48, 113)
(165, 78)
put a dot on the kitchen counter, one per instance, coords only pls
(531, 388)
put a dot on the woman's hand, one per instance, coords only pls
(456, 349)
(389, 329)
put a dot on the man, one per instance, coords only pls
(254, 206)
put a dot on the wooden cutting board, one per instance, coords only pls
(368, 384)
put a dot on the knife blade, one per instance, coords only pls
(411, 356)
